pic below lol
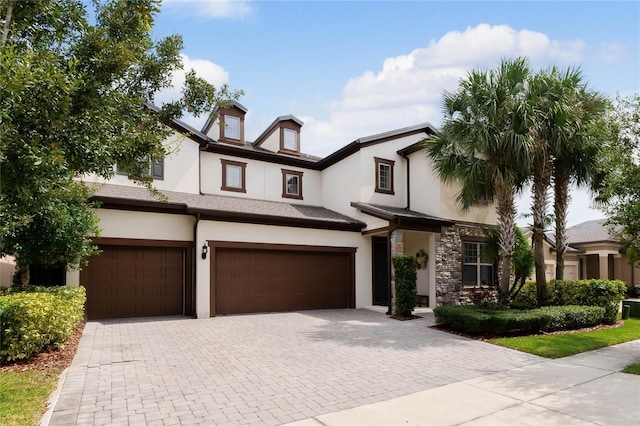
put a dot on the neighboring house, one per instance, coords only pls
(593, 252)
(261, 227)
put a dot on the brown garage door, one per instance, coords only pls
(288, 278)
(126, 281)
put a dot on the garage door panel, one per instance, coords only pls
(248, 280)
(126, 281)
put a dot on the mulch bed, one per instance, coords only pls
(402, 318)
(52, 359)
(485, 338)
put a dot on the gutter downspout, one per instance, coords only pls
(406, 157)
(390, 263)
(194, 280)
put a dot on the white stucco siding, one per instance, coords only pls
(414, 242)
(144, 225)
(263, 180)
(425, 185)
(249, 233)
(180, 168)
(272, 142)
(451, 208)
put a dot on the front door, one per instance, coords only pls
(380, 271)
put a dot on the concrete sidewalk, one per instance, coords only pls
(584, 389)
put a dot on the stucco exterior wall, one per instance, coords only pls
(7, 268)
(250, 233)
(263, 180)
(144, 225)
(415, 241)
(180, 168)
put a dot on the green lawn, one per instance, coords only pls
(23, 396)
(632, 369)
(560, 345)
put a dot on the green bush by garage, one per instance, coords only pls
(35, 319)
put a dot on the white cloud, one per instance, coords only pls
(231, 9)
(611, 52)
(407, 89)
(211, 72)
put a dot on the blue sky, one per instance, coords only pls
(349, 69)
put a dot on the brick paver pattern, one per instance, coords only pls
(265, 369)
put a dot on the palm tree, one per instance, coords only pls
(485, 145)
(575, 162)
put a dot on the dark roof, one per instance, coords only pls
(218, 207)
(592, 231)
(407, 216)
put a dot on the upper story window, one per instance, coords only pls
(483, 194)
(233, 176)
(156, 170)
(290, 141)
(384, 175)
(291, 184)
(231, 127)
(477, 264)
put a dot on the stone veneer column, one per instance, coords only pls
(397, 247)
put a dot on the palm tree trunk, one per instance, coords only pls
(560, 206)
(506, 219)
(541, 183)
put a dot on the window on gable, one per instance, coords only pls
(290, 140)
(156, 170)
(291, 184)
(233, 176)
(477, 265)
(384, 175)
(231, 127)
(483, 194)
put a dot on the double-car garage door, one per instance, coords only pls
(147, 278)
(274, 278)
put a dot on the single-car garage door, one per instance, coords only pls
(135, 281)
(266, 278)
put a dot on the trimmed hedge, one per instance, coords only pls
(39, 317)
(406, 287)
(499, 322)
(605, 293)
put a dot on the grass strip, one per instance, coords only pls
(23, 396)
(561, 345)
(632, 369)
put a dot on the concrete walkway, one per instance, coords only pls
(584, 389)
(330, 367)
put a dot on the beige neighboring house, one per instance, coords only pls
(593, 252)
(259, 226)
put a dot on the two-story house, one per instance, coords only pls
(258, 226)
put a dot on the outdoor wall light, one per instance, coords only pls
(205, 250)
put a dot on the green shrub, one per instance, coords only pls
(498, 322)
(604, 293)
(37, 318)
(406, 287)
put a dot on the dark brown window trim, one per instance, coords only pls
(389, 163)
(284, 150)
(286, 172)
(243, 167)
(477, 240)
(239, 116)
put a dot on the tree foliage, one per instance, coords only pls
(619, 185)
(522, 261)
(485, 145)
(74, 101)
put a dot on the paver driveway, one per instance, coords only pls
(261, 369)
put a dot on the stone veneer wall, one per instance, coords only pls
(449, 289)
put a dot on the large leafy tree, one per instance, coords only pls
(485, 146)
(619, 185)
(73, 100)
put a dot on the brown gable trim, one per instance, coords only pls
(282, 247)
(138, 205)
(260, 219)
(267, 157)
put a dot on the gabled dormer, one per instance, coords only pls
(282, 136)
(227, 125)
